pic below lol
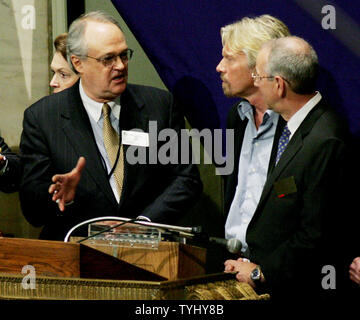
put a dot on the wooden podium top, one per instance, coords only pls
(76, 271)
(171, 260)
(70, 260)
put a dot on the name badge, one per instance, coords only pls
(135, 138)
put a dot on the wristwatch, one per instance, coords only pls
(256, 274)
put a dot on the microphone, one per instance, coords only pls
(183, 231)
(194, 233)
(232, 245)
(107, 229)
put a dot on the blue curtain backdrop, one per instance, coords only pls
(182, 40)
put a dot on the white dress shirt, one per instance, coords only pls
(253, 167)
(296, 120)
(94, 111)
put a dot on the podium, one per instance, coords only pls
(77, 271)
(171, 260)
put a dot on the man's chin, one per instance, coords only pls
(228, 94)
(119, 88)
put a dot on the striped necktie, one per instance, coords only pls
(111, 142)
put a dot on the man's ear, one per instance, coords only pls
(77, 63)
(280, 86)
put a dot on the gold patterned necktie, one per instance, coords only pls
(111, 142)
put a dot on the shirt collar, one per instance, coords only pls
(245, 110)
(296, 120)
(94, 108)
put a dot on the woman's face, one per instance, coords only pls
(63, 77)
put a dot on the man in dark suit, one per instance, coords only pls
(10, 169)
(253, 124)
(296, 230)
(88, 120)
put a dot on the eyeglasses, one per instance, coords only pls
(110, 60)
(256, 77)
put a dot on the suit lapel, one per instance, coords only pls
(77, 128)
(231, 181)
(294, 146)
(290, 152)
(133, 115)
(279, 128)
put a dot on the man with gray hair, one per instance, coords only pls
(296, 231)
(254, 125)
(93, 121)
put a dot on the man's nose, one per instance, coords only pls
(119, 64)
(219, 67)
(54, 83)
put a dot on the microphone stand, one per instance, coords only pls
(193, 233)
(105, 230)
(183, 231)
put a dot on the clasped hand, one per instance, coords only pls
(243, 267)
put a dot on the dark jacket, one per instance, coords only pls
(57, 131)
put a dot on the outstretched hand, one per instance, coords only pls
(64, 186)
